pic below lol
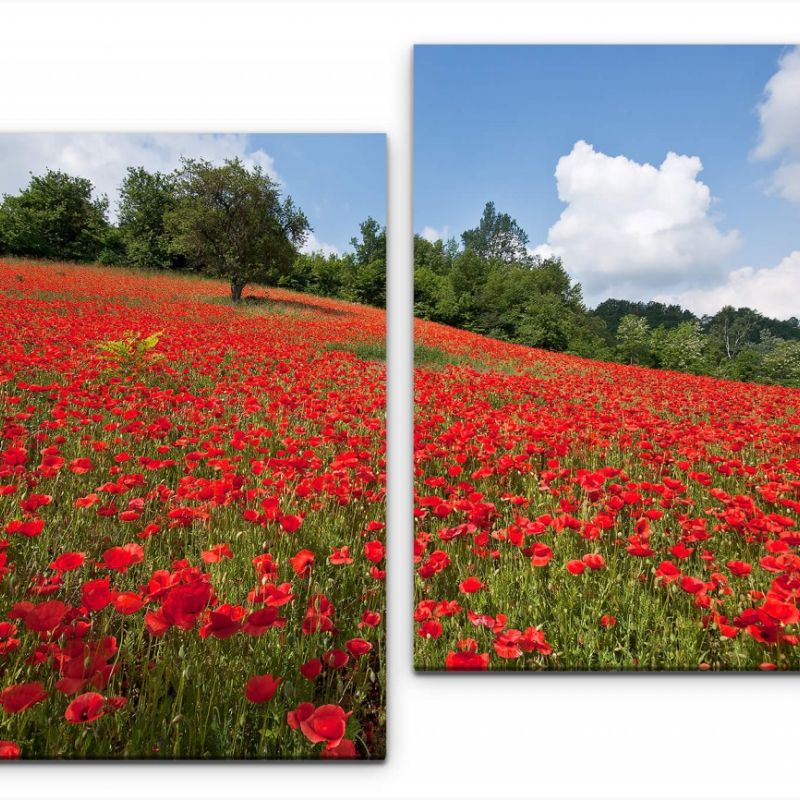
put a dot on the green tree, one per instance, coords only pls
(366, 276)
(145, 199)
(544, 324)
(498, 236)
(683, 348)
(54, 217)
(633, 339)
(230, 222)
(730, 330)
(782, 363)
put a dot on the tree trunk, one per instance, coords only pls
(236, 290)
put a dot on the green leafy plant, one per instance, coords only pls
(131, 353)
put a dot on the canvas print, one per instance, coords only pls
(606, 273)
(192, 475)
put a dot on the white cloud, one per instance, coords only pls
(103, 157)
(433, 235)
(633, 229)
(314, 245)
(779, 115)
(770, 290)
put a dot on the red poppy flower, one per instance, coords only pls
(44, 617)
(575, 567)
(9, 750)
(471, 585)
(86, 707)
(96, 594)
(326, 723)
(334, 659)
(541, 554)
(340, 555)
(259, 622)
(374, 551)
(290, 522)
(302, 562)
(594, 561)
(692, 585)
(311, 669)
(127, 602)
(216, 553)
(345, 749)
(358, 647)
(120, 559)
(460, 661)
(261, 688)
(19, 696)
(67, 562)
(739, 568)
(430, 629)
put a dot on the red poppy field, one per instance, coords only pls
(581, 515)
(192, 531)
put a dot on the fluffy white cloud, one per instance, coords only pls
(103, 157)
(314, 245)
(779, 115)
(633, 229)
(433, 235)
(771, 290)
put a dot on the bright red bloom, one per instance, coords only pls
(594, 561)
(323, 724)
(311, 669)
(358, 647)
(217, 553)
(739, 568)
(340, 555)
(261, 688)
(334, 659)
(430, 629)
(459, 661)
(86, 707)
(44, 617)
(9, 750)
(260, 621)
(575, 567)
(96, 594)
(120, 559)
(345, 749)
(374, 551)
(471, 585)
(19, 696)
(541, 554)
(127, 602)
(67, 562)
(290, 522)
(302, 562)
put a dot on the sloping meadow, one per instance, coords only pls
(580, 515)
(192, 501)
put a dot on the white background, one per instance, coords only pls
(346, 66)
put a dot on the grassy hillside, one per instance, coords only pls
(184, 513)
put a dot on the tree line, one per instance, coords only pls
(228, 221)
(490, 283)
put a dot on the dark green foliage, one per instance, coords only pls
(498, 237)
(359, 276)
(54, 217)
(494, 286)
(230, 222)
(144, 200)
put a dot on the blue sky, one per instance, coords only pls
(492, 122)
(337, 179)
